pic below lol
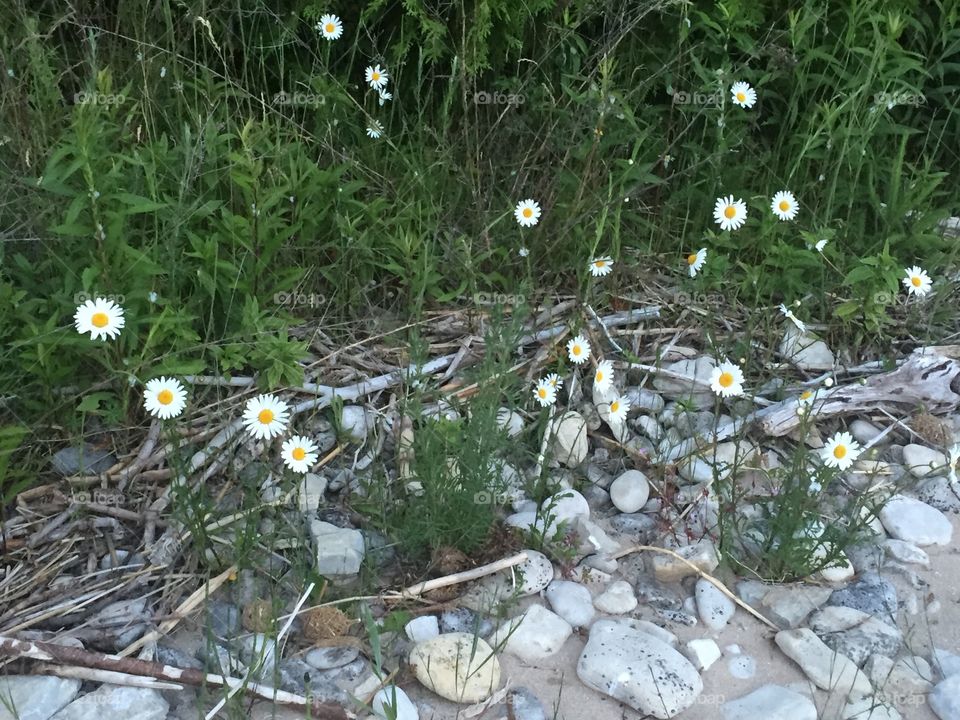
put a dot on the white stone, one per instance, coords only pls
(645, 626)
(703, 555)
(702, 652)
(915, 522)
(528, 578)
(714, 608)
(537, 572)
(116, 702)
(770, 702)
(566, 505)
(422, 628)
(510, 421)
(311, 492)
(869, 709)
(457, 666)
(356, 422)
(827, 669)
(906, 552)
(649, 427)
(922, 461)
(535, 635)
(863, 431)
(34, 697)
(639, 670)
(568, 433)
(572, 602)
(630, 491)
(699, 370)
(840, 570)
(339, 551)
(617, 599)
(805, 350)
(946, 662)
(392, 703)
(944, 700)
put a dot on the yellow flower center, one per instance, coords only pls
(806, 394)
(726, 379)
(576, 349)
(614, 406)
(375, 77)
(330, 27)
(100, 319)
(600, 264)
(527, 212)
(164, 397)
(916, 281)
(599, 375)
(784, 206)
(729, 212)
(265, 416)
(840, 452)
(299, 453)
(691, 258)
(542, 392)
(742, 97)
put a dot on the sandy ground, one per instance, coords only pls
(555, 680)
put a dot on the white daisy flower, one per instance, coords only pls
(603, 376)
(555, 380)
(840, 451)
(578, 350)
(265, 416)
(821, 244)
(299, 453)
(523, 252)
(527, 213)
(384, 97)
(788, 313)
(377, 77)
(726, 380)
(917, 282)
(784, 205)
(164, 397)
(101, 318)
(743, 95)
(806, 398)
(730, 214)
(545, 393)
(330, 27)
(374, 130)
(601, 266)
(695, 261)
(619, 407)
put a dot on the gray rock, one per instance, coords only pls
(909, 677)
(947, 663)
(863, 431)
(695, 389)
(648, 427)
(906, 552)
(827, 669)
(356, 422)
(702, 554)
(643, 400)
(223, 618)
(524, 705)
(869, 709)
(259, 652)
(339, 551)
(533, 636)
(714, 608)
(116, 625)
(639, 670)
(629, 492)
(789, 605)
(327, 658)
(945, 699)
(617, 599)
(116, 702)
(805, 350)
(922, 461)
(937, 493)
(568, 433)
(464, 620)
(311, 492)
(34, 697)
(856, 634)
(571, 601)
(85, 460)
(770, 702)
(870, 593)
(176, 658)
(634, 524)
(916, 522)
(297, 676)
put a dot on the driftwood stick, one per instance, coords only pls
(930, 381)
(60, 654)
(104, 676)
(460, 577)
